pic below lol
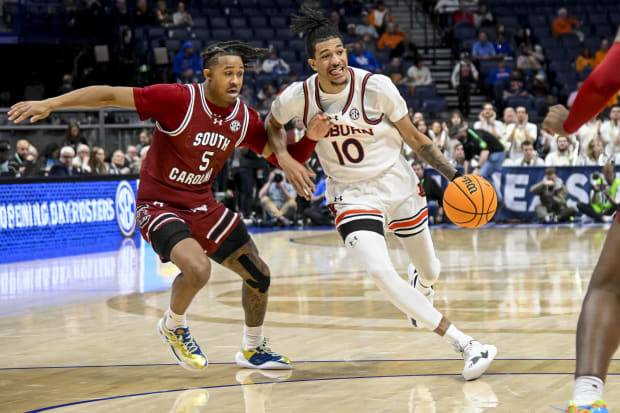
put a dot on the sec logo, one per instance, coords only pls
(125, 208)
(235, 125)
(354, 114)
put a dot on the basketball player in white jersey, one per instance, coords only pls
(370, 186)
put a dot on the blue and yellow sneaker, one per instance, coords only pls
(598, 406)
(183, 346)
(262, 357)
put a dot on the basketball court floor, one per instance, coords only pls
(78, 334)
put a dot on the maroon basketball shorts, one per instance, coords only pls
(218, 230)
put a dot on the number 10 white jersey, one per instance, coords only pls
(363, 142)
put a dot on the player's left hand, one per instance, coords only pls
(318, 126)
(35, 109)
(298, 175)
(554, 121)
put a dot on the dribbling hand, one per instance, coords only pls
(554, 121)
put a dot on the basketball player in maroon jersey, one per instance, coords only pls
(598, 329)
(197, 129)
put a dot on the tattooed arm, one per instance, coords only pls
(424, 147)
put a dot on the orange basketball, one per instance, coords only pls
(470, 201)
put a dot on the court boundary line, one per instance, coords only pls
(295, 362)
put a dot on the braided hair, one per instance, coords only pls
(246, 52)
(314, 27)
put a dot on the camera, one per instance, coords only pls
(278, 177)
(597, 179)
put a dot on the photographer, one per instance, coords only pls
(553, 193)
(277, 197)
(603, 202)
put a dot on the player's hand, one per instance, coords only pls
(318, 126)
(554, 121)
(298, 175)
(33, 109)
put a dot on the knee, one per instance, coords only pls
(198, 271)
(259, 276)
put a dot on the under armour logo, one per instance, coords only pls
(483, 355)
(217, 121)
(353, 241)
(338, 198)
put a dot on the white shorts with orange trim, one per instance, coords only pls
(393, 198)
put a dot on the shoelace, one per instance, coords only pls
(188, 341)
(263, 348)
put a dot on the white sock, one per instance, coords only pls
(372, 251)
(588, 389)
(252, 337)
(456, 337)
(174, 320)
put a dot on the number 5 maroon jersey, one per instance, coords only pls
(192, 141)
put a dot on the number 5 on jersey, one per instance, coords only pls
(206, 159)
(350, 147)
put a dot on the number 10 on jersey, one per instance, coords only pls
(351, 149)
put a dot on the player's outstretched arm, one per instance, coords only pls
(424, 147)
(88, 97)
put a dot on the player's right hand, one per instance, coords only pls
(33, 109)
(298, 175)
(554, 121)
(318, 127)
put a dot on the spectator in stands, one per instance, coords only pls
(363, 59)
(417, 117)
(74, 136)
(440, 134)
(137, 165)
(338, 21)
(81, 160)
(552, 193)
(604, 194)
(464, 76)
(418, 74)
(317, 212)
(496, 80)
(18, 161)
(462, 15)
(515, 87)
(143, 16)
(117, 163)
(521, 131)
(483, 49)
(502, 46)
(67, 84)
(349, 36)
(266, 96)
(602, 52)
(529, 60)
(585, 60)
(589, 131)
(5, 155)
(522, 36)
(528, 157)
(562, 156)
(406, 49)
(247, 96)
(275, 65)
(163, 16)
(186, 65)
(595, 155)
(563, 24)
(64, 165)
(131, 156)
(434, 194)
(181, 17)
(573, 94)
(610, 131)
(395, 71)
(487, 121)
(458, 157)
(277, 197)
(391, 38)
(483, 16)
(97, 163)
(540, 88)
(368, 43)
(50, 155)
(456, 118)
(379, 16)
(145, 139)
(297, 131)
(366, 28)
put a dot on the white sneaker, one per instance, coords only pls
(478, 357)
(412, 276)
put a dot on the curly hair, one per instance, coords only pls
(246, 52)
(314, 27)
